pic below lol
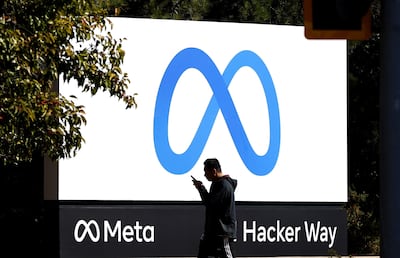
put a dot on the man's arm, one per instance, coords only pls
(201, 188)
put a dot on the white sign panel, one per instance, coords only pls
(268, 103)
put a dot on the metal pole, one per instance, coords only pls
(390, 130)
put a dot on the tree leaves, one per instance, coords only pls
(36, 46)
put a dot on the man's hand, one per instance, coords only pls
(196, 183)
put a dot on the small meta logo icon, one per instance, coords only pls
(180, 163)
(90, 229)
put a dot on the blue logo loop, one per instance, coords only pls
(221, 100)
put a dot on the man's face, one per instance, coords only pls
(209, 173)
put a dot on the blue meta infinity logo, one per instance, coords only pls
(221, 100)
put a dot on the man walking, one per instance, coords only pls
(220, 217)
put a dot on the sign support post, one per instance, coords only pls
(390, 130)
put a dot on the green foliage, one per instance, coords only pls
(177, 9)
(364, 194)
(162, 9)
(363, 224)
(39, 40)
(260, 11)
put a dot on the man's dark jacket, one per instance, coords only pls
(220, 208)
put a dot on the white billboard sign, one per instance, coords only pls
(268, 103)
